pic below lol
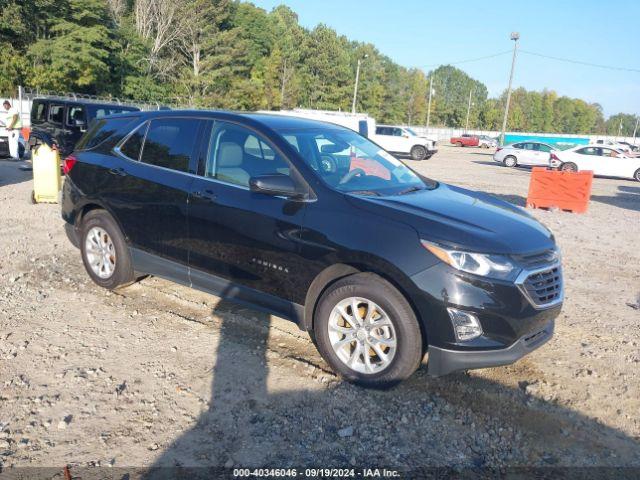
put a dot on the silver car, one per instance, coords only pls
(524, 153)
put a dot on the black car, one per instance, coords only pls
(63, 121)
(312, 222)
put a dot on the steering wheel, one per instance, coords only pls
(328, 164)
(353, 173)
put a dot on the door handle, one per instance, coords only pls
(204, 195)
(118, 171)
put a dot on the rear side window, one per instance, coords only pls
(100, 131)
(76, 116)
(170, 143)
(56, 113)
(38, 112)
(132, 146)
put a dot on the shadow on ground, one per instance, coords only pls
(460, 420)
(11, 172)
(627, 197)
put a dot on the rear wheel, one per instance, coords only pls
(510, 161)
(367, 332)
(418, 152)
(569, 167)
(637, 175)
(105, 253)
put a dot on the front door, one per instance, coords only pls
(246, 238)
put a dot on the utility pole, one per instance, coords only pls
(429, 107)
(466, 127)
(515, 36)
(355, 88)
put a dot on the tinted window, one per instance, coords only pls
(170, 143)
(76, 115)
(528, 146)
(100, 131)
(38, 112)
(99, 111)
(131, 147)
(544, 148)
(236, 154)
(397, 132)
(589, 151)
(517, 145)
(56, 113)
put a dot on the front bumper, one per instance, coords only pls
(443, 361)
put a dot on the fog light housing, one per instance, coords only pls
(465, 325)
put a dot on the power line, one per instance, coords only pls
(578, 62)
(466, 61)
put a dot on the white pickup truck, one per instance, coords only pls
(404, 141)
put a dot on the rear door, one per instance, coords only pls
(541, 154)
(148, 183)
(247, 238)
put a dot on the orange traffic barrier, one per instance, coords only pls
(26, 131)
(564, 190)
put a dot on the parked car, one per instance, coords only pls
(465, 140)
(313, 222)
(62, 121)
(524, 153)
(4, 143)
(601, 160)
(404, 141)
(485, 141)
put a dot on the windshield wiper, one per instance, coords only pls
(410, 190)
(366, 192)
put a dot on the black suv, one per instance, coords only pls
(63, 121)
(311, 221)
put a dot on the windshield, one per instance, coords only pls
(411, 132)
(350, 163)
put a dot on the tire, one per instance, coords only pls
(390, 306)
(418, 152)
(32, 197)
(460, 144)
(569, 167)
(510, 161)
(117, 253)
(637, 175)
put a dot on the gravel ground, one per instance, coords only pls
(157, 374)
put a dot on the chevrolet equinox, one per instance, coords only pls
(312, 222)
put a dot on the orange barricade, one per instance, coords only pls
(26, 131)
(564, 190)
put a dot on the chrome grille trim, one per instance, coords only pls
(542, 287)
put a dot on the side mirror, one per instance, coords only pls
(276, 185)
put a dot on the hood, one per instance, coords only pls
(463, 219)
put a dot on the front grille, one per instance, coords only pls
(544, 287)
(538, 259)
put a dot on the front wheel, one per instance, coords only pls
(105, 253)
(569, 167)
(637, 175)
(418, 152)
(367, 332)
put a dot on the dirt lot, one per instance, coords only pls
(157, 374)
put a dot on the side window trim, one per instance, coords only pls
(117, 148)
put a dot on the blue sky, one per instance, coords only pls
(418, 33)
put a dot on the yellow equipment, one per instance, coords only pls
(47, 181)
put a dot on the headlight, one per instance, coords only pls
(483, 264)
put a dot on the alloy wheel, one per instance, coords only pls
(101, 252)
(362, 335)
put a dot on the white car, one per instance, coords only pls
(524, 153)
(4, 143)
(601, 160)
(485, 141)
(404, 141)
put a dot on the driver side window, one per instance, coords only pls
(236, 154)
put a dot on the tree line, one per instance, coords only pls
(233, 55)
